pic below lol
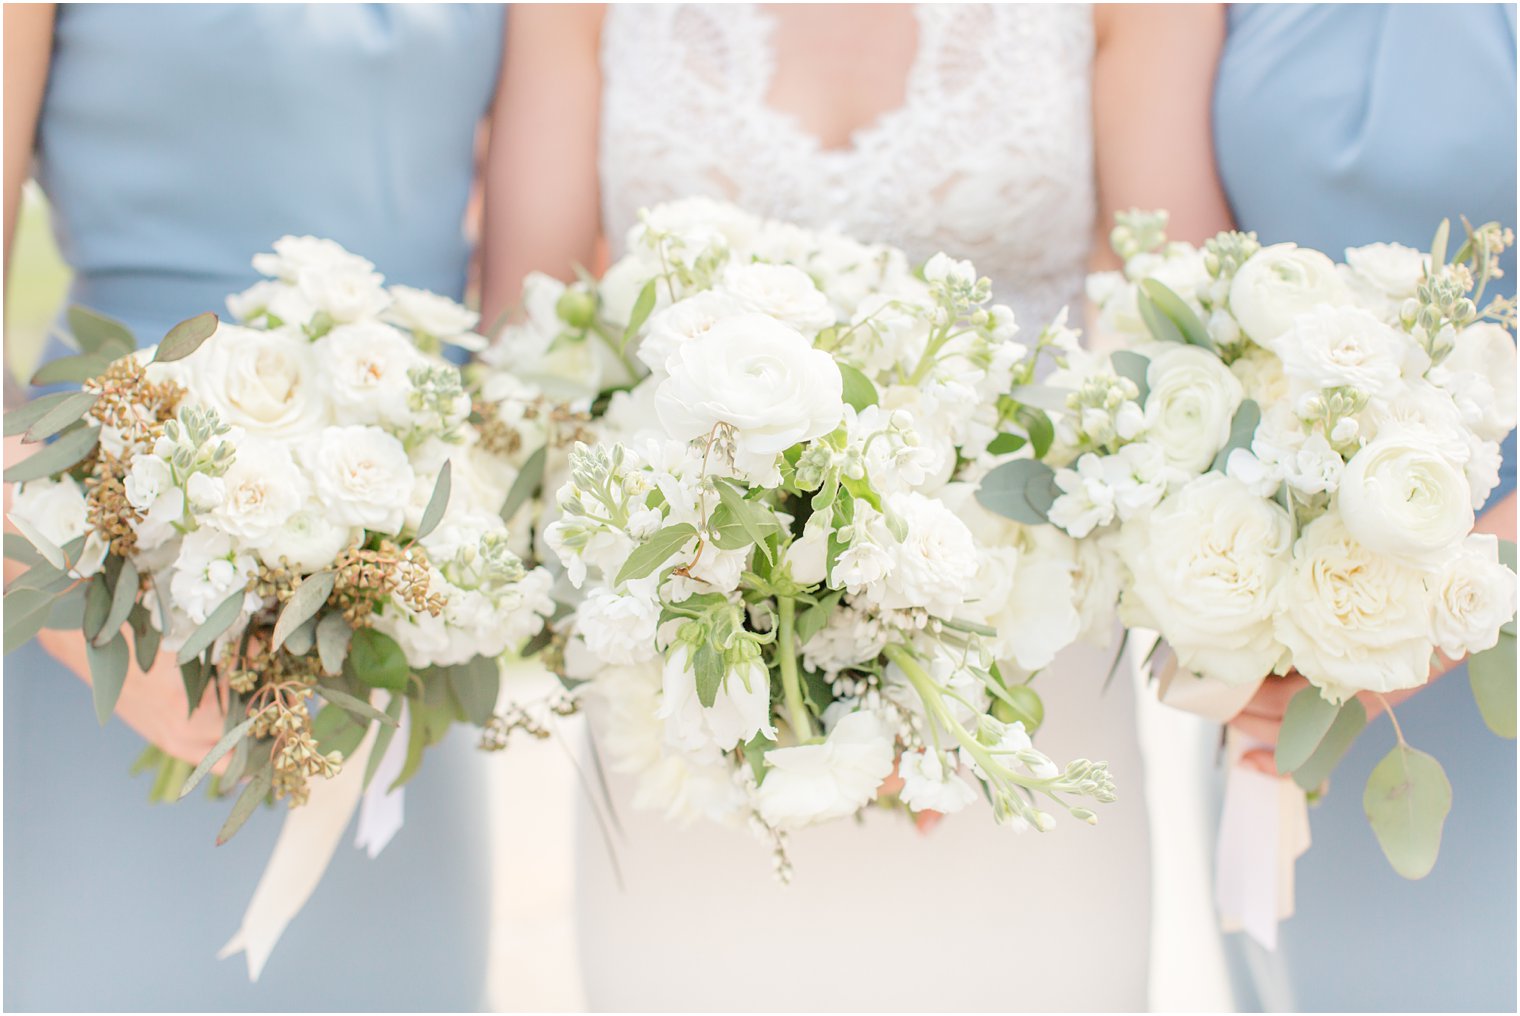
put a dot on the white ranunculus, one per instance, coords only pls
(1474, 597)
(740, 710)
(930, 785)
(817, 782)
(344, 294)
(687, 321)
(428, 313)
(758, 377)
(1333, 347)
(308, 540)
(365, 369)
(618, 629)
(1206, 564)
(362, 475)
(1481, 366)
(1353, 619)
(782, 292)
(1193, 398)
(1388, 270)
(933, 566)
(267, 383)
(1280, 282)
(296, 254)
(209, 568)
(1261, 376)
(1401, 497)
(262, 490)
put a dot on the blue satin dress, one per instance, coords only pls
(175, 142)
(1335, 126)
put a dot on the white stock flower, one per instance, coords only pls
(1332, 347)
(426, 312)
(296, 254)
(1354, 619)
(930, 785)
(262, 490)
(1206, 564)
(362, 475)
(209, 568)
(783, 292)
(1474, 597)
(1401, 497)
(759, 378)
(365, 371)
(1192, 401)
(816, 782)
(1086, 500)
(618, 629)
(1278, 283)
(932, 567)
(345, 294)
(740, 710)
(267, 383)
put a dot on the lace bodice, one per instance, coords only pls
(989, 157)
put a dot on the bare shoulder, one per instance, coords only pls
(1130, 24)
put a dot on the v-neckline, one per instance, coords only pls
(858, 137)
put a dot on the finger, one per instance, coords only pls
(1257, 728)
(926, 820)
(1261, 760)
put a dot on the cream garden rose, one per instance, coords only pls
(1331, 347)
(1193, 398)
(266, 382)
(1278, 283)
(1474, 595)
(362, 475)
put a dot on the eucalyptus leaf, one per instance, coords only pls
(1304, 724)
(75, 369)
(438, 503)
(376, 659)
(1438, 245)
(65, 413)
(69, 450)
(1130, 364)
(97, 604)
(186, 337)
(23, 550)
(858, 389)
(1161, 327)
(248, 801)
(43, 578)
(300, 641)
(226, 743)
(304, 602)
(529, 479)
(1006, 444)
(20, 419)
(333, 635)
(707, 664)
(66, 613)
(643, 306)
(195, 675)
(1491, 674)
(1349, 722)
(97, 333)
(360, 709)
(145, 638)
(123, 599)
(335, 730)
(1037, 424)
(476, 685)
(26, 611)
(1242, 432)
(655, 551)
(35, 540)
(1021, 490)
(108, 672)
(1407, 800)
(1178, 313)
(217, 622)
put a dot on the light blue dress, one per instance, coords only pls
(175, 142)
(1334, 126)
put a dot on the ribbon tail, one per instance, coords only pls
(301, 854)
(382, 812)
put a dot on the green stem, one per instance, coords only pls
(791, 684)
(617, 349)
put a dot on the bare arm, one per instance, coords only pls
(542, 197)
(1153, 86)
(28, 48)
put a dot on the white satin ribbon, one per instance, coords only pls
(383, 811)
(301, 855)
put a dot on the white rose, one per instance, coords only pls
(1482, 366)
(296, 254)
(365, 371)
(344, 294)
(262, 490)
(362, 475)
(1192, 401)
(428, 313)
(1333, 347)
(740, 710)
(1384, 275)
(1401, 497)
(1206, 564)
(687, 321)
(1474, 597)
(1354, 619)
(619, 630)
(1278, 283)
(816, 782)
(781, 291)
(308, 540)
(268, 383)
(209, 568)
(930, 785)
(933, 566)
(56, 511)
(760, 378)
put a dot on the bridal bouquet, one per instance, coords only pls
(787, 588)
(1286, 456)
(297, 506)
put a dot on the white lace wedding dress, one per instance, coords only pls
(990, 158)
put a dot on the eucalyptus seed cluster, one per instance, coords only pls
(367, 579)
(107, 510)
(496, 435)
(497, 732)
(1137, 232)
(296, 756)
(132, 404)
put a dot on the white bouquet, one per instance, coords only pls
(297, 506)
(1286, 456)
(787, 588)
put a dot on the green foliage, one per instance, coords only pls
(1036, 423)
(352, 704)
(252, 796)
(528, 481)
(215, 624)
(757, 521)
(65, 413)
(642, 307)
(145, 637)
(375, 659)
(1348, 724)
(20, 419)
(123, 599)
(76, 369)
(476, 685)
(336, 730)
(108, 672)
(303, 604)
(66, 452)
(195, 675)
(814, 619)
(1491, 674)
(707, 662)
(1407, 800)
(655, 551)
(1130, 364)
(186, 337)
(1168, 316)
(438, 503)
(333, 635)
(1022, 490)
(1305, 723)
(26, 610)
(1019, 704)
(226, 743)
(1242, 432)
(858, 389)
(97, 604)
(1006, 444)
(97, 333)
(754, 754)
